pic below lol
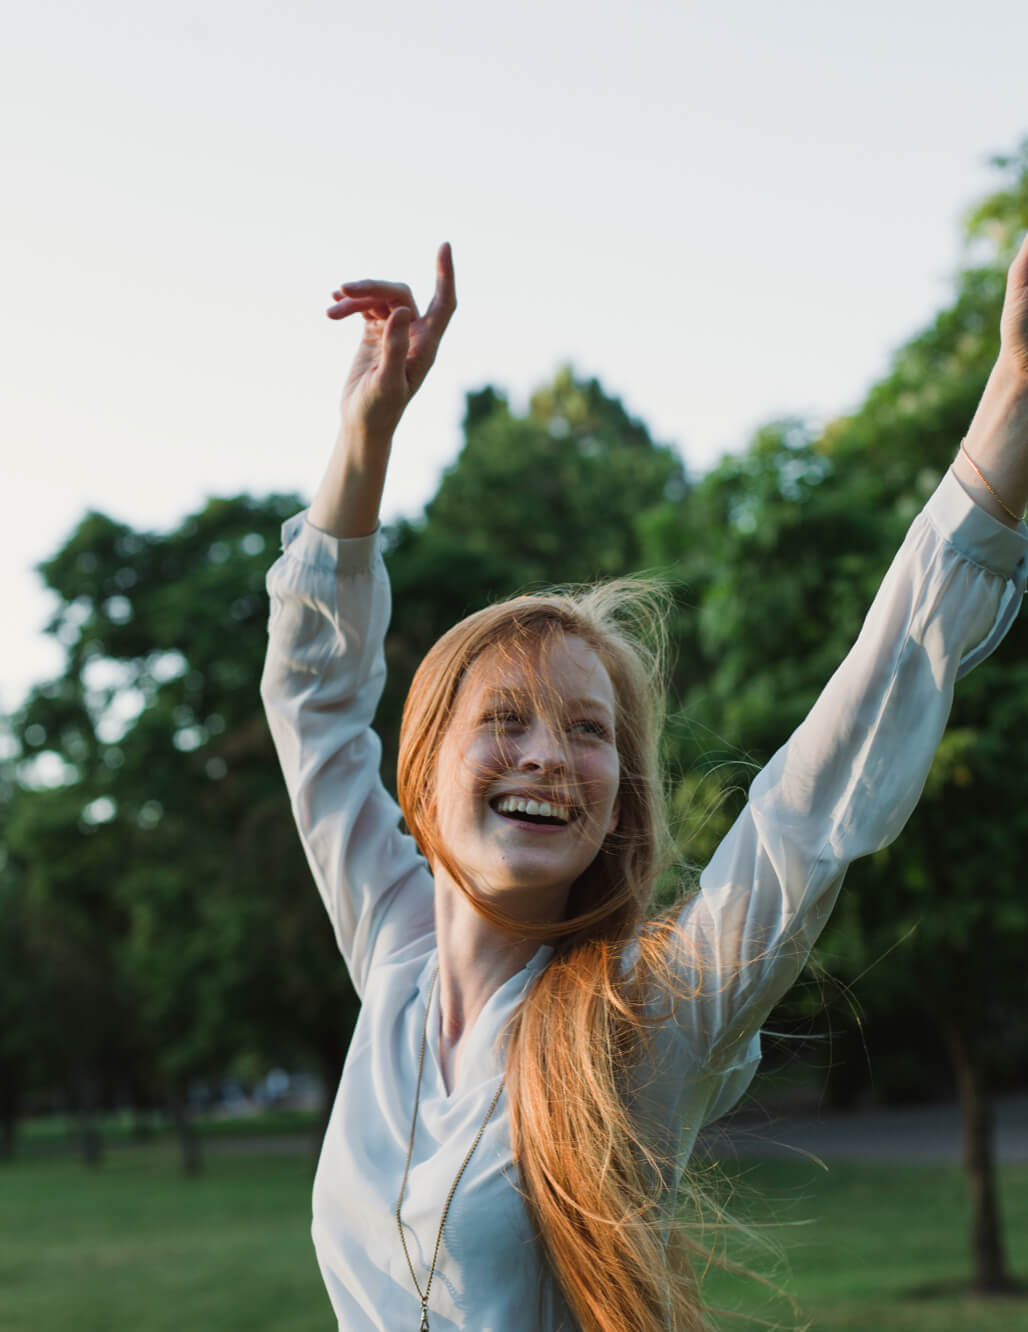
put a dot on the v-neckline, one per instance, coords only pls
(473, 1036)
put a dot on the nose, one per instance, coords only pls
(541, 750)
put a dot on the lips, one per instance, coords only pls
(533, 809)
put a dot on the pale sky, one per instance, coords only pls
(726, 212)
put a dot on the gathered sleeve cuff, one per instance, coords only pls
(987, 542)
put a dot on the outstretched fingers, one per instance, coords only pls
(444, 298)
(377, 299)
(369, 305)
(388, 293)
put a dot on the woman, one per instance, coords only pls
(535, 1055)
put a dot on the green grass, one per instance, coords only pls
(135, 1246)
(878, 1248)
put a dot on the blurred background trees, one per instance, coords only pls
(157, 920)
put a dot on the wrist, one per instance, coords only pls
(992, 463)
(358, 439)
(347, 502)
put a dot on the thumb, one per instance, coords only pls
(1017, 273)
(396, 343)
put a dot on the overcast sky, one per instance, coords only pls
(726, 212)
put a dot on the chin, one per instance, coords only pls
(523, 877)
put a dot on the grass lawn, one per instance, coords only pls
(879, 1248)
(135, 1246)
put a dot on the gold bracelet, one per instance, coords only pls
(1003, 506)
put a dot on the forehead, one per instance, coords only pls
(561, 669)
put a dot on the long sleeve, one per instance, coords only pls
(845, 783)
(322, 680)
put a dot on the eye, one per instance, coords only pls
(591, 726)
(502, 718)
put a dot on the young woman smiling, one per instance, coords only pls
(536, 1050)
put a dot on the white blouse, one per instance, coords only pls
(842, 787)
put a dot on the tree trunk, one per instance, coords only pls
(9, 1106)
(8, 1132)
(987, 1249)
(189, 1139)
(86, 1097)
(141, 1100)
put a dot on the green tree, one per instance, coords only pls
(67, 926)
(28, 1033)
(784, 548)
(196, 908)
(555, 495)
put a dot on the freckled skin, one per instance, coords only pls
(535, 728)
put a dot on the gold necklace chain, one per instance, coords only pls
(453, 1187)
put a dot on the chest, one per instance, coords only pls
(487, 1239)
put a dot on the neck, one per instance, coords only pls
(475, 957)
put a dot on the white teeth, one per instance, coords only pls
(520, 805)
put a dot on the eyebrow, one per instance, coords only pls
(494, 692)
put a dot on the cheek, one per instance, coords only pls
(467, 767)
(602, 777)
(607, 774)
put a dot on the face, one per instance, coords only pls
(528, 773)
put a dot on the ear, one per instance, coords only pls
(615, 815)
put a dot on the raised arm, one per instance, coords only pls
(848, 779)
(396, 353)
(325, 666)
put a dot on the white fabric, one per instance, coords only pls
(843, 786)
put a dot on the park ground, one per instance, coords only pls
(875, 1244)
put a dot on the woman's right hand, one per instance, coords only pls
(396, 351)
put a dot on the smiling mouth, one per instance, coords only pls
(519, 809)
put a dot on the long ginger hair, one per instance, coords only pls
(590, 1181)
